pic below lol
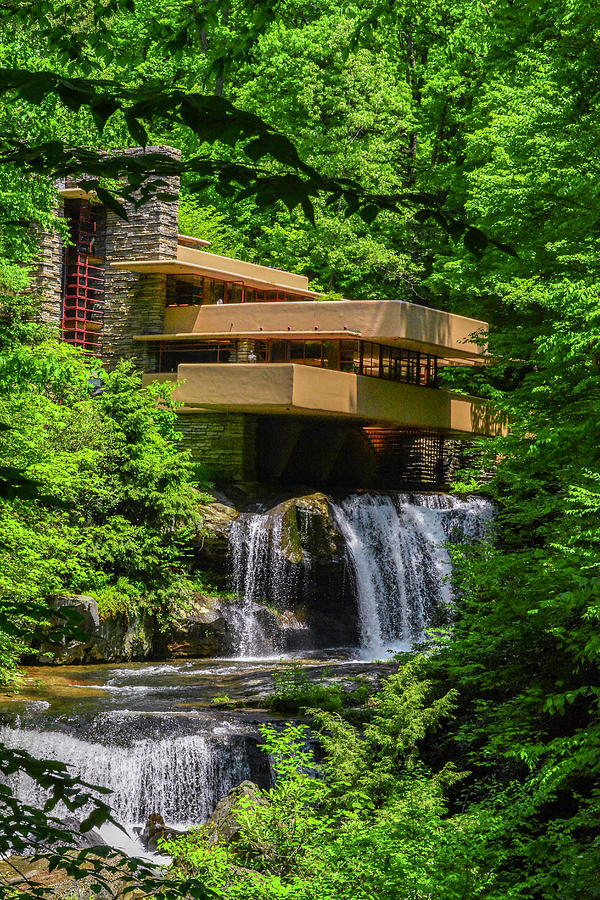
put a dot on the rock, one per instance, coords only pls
(155, 830)
(287, 628)
(119, 639)
(91, 838)
(202, 631)
(211, 540)
(223, 826)
(123, 639)
(87, 608)
(319, 534)
(85, 619)
(323, 596)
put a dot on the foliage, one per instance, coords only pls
(112, 460)
(353, 830)
(294, 691)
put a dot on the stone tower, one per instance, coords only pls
(96, 307)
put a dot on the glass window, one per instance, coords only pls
(297, 351)
(331, 353)
(280, 351)
(236, 292)
(313, 354)
(349, 356)
(185, 290)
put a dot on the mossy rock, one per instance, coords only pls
(308, 529)
(223, 825)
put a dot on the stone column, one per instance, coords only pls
(135, 303)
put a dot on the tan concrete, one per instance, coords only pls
(252, 335)
(75, 193)
(187, 241)
(389, 322)
(304, 390)
(222, 268)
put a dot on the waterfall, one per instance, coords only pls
(261, 574)
(396, 548)
(180, 777)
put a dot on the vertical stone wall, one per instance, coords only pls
(135, 303)
(224, 444)
(47, 277)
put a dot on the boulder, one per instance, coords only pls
(91, 838)
(77, 611)
(118, 639)
(318, 531)
(211, 539)
(201, 631)
(123, 639)
(223, 826)
(315, 552)
(155, 830)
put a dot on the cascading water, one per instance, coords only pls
(260, 574)
(396, 547)
(181, 777)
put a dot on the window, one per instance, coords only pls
(397, 364)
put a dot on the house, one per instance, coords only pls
(275, 382)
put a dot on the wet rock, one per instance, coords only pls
(324, 595)
(223, 826)
(122, 639)
(155, 830)
(91, 838)
(211, 541)
(319, 534)
(287, 629)
(307, 529)
(201, 631)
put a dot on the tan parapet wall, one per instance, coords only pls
(241, 270)
(389, 322)
(303, 390)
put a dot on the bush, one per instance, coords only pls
(293, 691)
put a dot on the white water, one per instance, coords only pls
(260, 574)
(180, 777)
(396, 546)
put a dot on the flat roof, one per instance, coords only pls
(286, 388)
(395, 323)
(254, 335)
(190, 261)
(186, 241)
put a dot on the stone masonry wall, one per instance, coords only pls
(47, 278)
(136, 302)
(223, 443)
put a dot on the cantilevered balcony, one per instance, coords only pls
(304, 390)
(395, 323)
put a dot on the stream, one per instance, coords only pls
(154, 734)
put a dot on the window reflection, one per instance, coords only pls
(195, 290)
(360, 357)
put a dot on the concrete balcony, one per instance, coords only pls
(395, 323)
(192, 261)
(301, 390)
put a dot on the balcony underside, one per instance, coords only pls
(281, 389)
